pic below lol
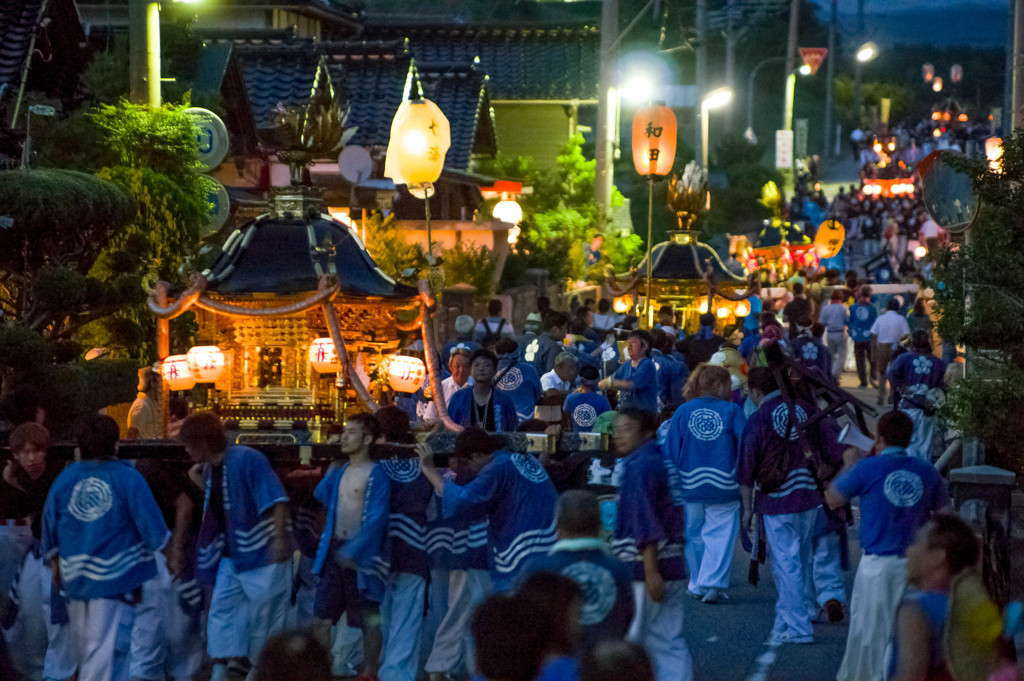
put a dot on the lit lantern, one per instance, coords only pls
(928, 72)
(654, 140)
(176, 373)
(994, 152)
(920, 252)
(742, 308)
(420, 137)
(702, 306)
(323, 357)
(622, 304)
(722, 312)
(956, 73)
(406, 374)
(508, 211)
(828, 241)
(206, 363)
(937, 84)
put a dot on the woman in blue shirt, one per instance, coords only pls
(637, 379)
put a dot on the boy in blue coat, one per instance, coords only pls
(582, 407)
(101, 527)
(245, 548)
(351, 559)
(519, 498)
(480, 405)
(704, 443)
(649, 533)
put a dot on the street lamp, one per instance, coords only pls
(715, 99)
(864, 54)
(749, 133)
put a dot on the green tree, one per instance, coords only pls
(978, 289)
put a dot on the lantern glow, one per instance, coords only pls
(654, 140)
(406, 374)
(994, 152)
(323, 357)
(206, 363)
(722, 312)
(742, 308)
(176, 373)
(508, 211)
(920, 252)
(420, 137)
(622, 304)
(702, 306)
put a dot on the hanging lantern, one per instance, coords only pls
(406, 374)
(508, 211)
(176, 373)
(420, 137)
(622, 304)
(722, 312)
(323, 356)
(994, 152)
(206, 363)
(956, 73)
(742, 308)
(654, 140)
(928, 72)
(937, 84)
(828, 241)
(702, 306)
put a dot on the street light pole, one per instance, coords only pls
(704, 133)
(607, 100)
(829, 76)
(144, 52)
(750, 88)
(858, 66)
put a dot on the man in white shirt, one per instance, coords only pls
(458, 365)
(562, 377)
(886, 332)
(930, 232)
(834, 317)
(145, 420)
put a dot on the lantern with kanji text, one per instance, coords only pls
(206, 363)
(176, 373)
(323, 356)
(654, 140)
(829, 238)
(406, 374)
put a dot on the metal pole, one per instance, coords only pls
(791, 44)
(730, 56)
(703, 135)
(701, 62)
(28, 63)
(787, 122)
(858, 66)
(650, 245)
(606, 104)
(144, 52)
(829, 76)
(1017, 115)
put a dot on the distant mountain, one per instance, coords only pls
(968, 24)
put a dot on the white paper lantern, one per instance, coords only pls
(508, 211)
(176, 373)
(406, 374)
(206, 362)
(323, 357)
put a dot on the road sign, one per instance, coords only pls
(42, 110)
(211, 137)
(813, 56)
(783, 148)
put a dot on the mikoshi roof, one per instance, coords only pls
(290, 255)
(675, 261)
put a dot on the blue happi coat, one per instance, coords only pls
(812, 354)
(458, 542)
(411, 494)
(460, 409)
(250, 488)
(368, 549)
(703, 442)
(648, 513)
(102, 520)
(519, 499)
(519, 380)
(913, 374)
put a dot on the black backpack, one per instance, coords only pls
(492, 337)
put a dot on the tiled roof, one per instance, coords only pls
(461, 94)
(17, 23)
(281, 73)
(522, 63)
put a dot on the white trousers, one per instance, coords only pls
(401, 615)
(877, 590)
(247, 608)
(711, 531)
(453, 644)
(59, 663)
(100, 638)
(837, 348)
(346, 648)
(924, 429)
(658, 627)
(788, 537)
(826, 573)
(27, 638)
(166, 641)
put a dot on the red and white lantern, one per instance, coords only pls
(406, 374)
(176, 373)
(206, 363)
(323, 357)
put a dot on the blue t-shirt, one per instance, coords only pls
(898, 493)
(862, 318)
(644, 393)
(583, 410)
(752, 322)
(703, 441)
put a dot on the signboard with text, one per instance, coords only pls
(783, 148)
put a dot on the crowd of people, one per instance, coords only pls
(390, 563)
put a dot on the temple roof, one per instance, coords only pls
(274, 255)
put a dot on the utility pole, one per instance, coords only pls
(1017, 114)
(791, 45)
(858, 66)
(607, 101)
(731, 11)
(144, 52)
(829, 77)
(701, 69)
